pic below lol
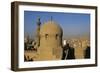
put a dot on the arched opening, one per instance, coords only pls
(46, 36)
(57, 36)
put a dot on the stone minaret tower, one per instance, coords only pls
(38, 31)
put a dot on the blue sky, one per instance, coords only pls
(73, 24)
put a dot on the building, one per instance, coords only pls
(48, 44)
(50, 41)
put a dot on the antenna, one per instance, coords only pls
(51, 18)
(38, 21)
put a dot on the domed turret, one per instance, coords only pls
(50, 41)
(51, 28)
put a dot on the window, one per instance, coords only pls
(57, 36)
(46, 36)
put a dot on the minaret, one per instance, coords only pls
(27, 38)
(38, 32)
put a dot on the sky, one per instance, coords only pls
(73, 24)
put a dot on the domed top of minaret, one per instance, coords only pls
(51, 27)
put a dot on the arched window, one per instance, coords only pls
(57, 36)
(46, 36)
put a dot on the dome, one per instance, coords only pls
(50, 27)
